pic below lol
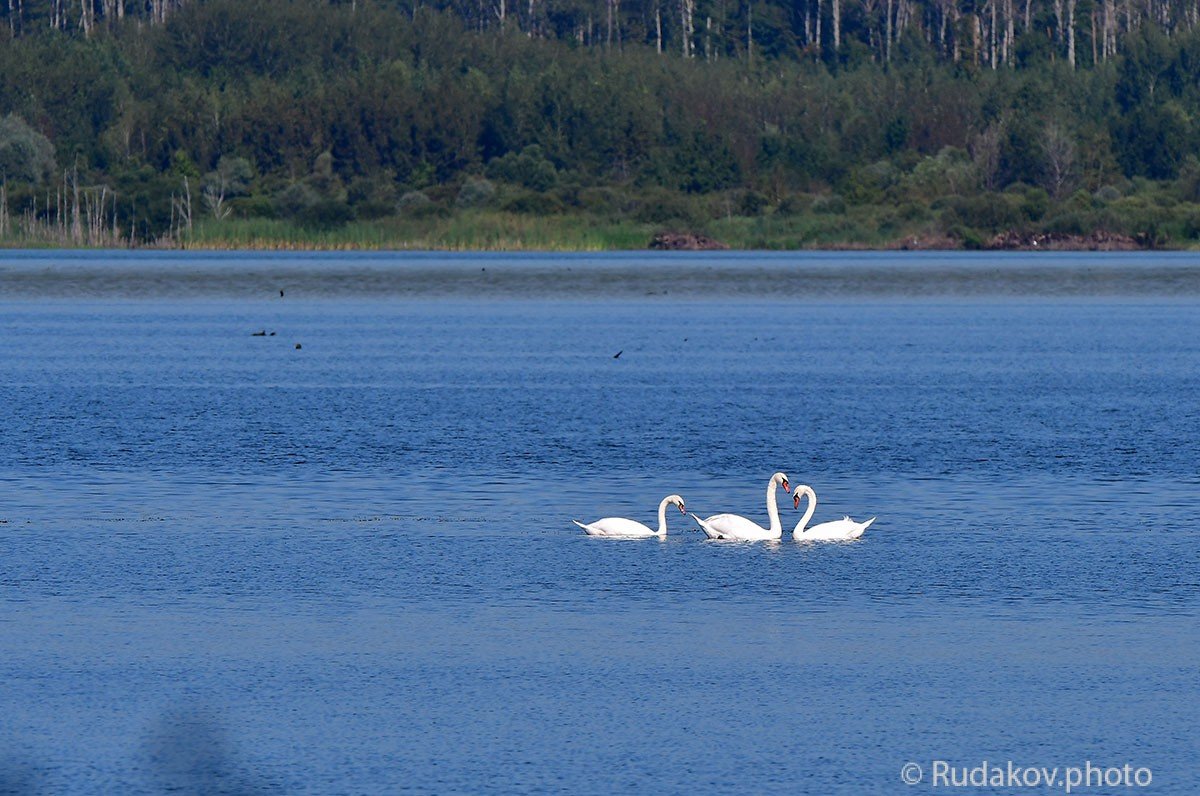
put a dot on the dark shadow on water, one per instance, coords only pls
(190, 752)
(18, 778)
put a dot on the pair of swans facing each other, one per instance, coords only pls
(731, 527)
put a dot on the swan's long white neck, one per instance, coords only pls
(808, 513)
(662, 516)
(773, 509)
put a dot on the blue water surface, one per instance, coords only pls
(337, 557)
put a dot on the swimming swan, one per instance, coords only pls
(733, 527)
(629, 529)
(842, 530)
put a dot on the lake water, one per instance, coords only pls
(338, 557)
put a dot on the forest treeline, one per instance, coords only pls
(762, 123)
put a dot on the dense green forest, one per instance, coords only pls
(598, 123)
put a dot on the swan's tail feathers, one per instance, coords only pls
(864, 527)
(586, 529)
(708, 531)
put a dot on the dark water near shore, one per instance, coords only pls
(231, 565)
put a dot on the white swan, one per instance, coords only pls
(731, 526)
(842, 530)
(630, 529)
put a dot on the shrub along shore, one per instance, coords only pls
(1026, 220)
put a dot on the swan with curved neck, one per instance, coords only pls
(735, 528)
(841, 530)
(631, 529)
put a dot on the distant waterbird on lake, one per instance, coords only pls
(842, 530)
(619, 527)
(736, 528)
(618, 354)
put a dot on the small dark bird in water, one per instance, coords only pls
(272, 334)
(297, 346)
(262, 333)
(618, 354)
(281, 294)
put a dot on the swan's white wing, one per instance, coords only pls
(731, 526)
(843, 529)
(616, 526)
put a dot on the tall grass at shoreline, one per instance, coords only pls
(468, 231)
(478, 231)
(87, 221)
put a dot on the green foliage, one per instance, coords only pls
(416, 204)
(829, 205)
(476, 192)
(529, 168)
(325, 214)
(753, 203)
(794, 205)
(295, 199)
(252, 207)
(533, 203)
(991, 212)
(25, 154)
(319, 118)
(235, 174)
(659, 206)
(950, 172)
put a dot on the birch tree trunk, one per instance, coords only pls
(837, 26)
(750, 34)
(887, 34)
(687, 10)
(617, 18)
(1071, 33)
(1058, 18)
(992, 35)
(1010, 32)
(818, 39)
(954, 18)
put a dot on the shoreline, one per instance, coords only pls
(1035, 244)
(506, 232)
